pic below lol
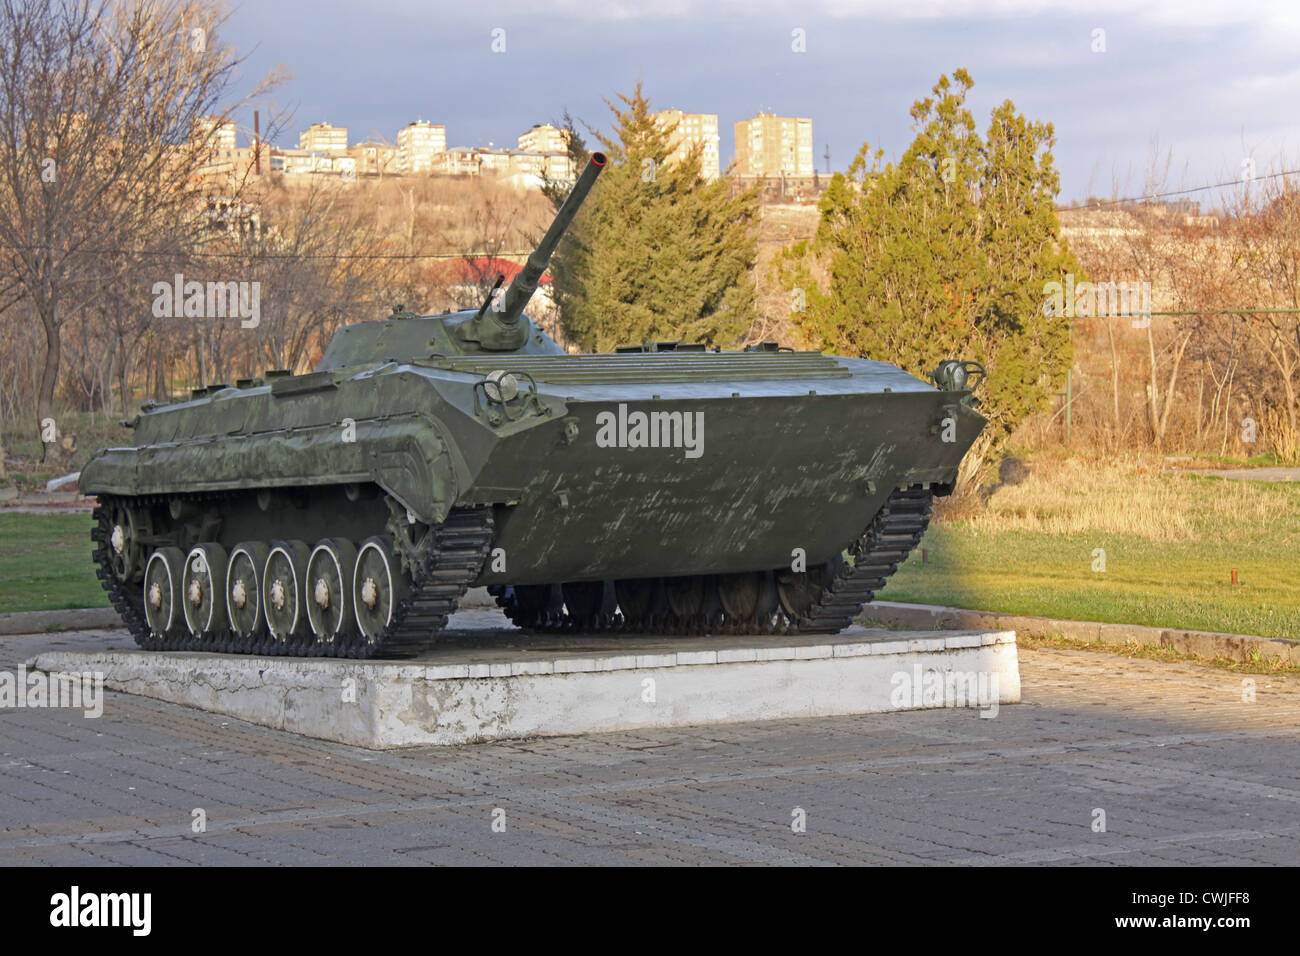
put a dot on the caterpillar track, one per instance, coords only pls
(438, 563)
(822, 600)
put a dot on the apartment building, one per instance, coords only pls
(770, 145)
(691, 130)
(523, 169)
(218, 133)
(324, 138)
(545, 138)
(374, 159)
(419, 146)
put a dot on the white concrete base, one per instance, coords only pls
(500, 683)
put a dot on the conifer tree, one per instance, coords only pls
(657, 253)
(945, 254)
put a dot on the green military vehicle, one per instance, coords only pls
(664, 488)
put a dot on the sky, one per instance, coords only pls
(1191, 90)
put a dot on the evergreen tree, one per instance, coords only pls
(656, 253)
(945, 254)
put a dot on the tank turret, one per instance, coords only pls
(497, 326)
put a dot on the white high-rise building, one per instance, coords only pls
(694, 129)
(770, 145)
(419, 146)
(324, 138)
(545, 138)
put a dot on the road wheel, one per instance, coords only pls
(244, 592)
(377, 587)
(801, 591)
(204, 588)
(162, 592)
(283, 588)
(329, 593)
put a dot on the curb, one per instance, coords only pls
(98, 618)
(41, 622)
(1234, 647)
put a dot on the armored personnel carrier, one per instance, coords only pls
(663, 488)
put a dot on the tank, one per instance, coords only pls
(663, 488)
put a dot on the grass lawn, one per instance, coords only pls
(45, 563)
(1163, 585)
(1170, 541)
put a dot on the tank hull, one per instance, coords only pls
(775, 475)
(644, 476)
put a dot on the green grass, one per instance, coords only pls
(45, 563)
(1268, 459)
(1183, 584)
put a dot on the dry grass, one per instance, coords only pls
(1284, 440)
(1138, 498)
(1155, 652)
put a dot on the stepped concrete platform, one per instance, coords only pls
(490, 681)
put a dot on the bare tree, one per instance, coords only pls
(103, 130)
(1270, 242)
(313, 262)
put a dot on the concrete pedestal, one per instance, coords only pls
(489, 682)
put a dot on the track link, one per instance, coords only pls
(451, 560)
(129, 606)
(461, 545)
(876, 554)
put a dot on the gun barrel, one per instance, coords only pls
(525, 283)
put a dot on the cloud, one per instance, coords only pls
(1210, 80)
(1279, 14)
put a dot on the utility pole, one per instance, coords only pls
(827, 156)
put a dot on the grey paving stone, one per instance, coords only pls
(1187, 774)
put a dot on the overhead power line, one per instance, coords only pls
(1185, 192)
(397, 256)
(164, 254)
(1228, 312)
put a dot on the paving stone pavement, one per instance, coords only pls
(1186, 772)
